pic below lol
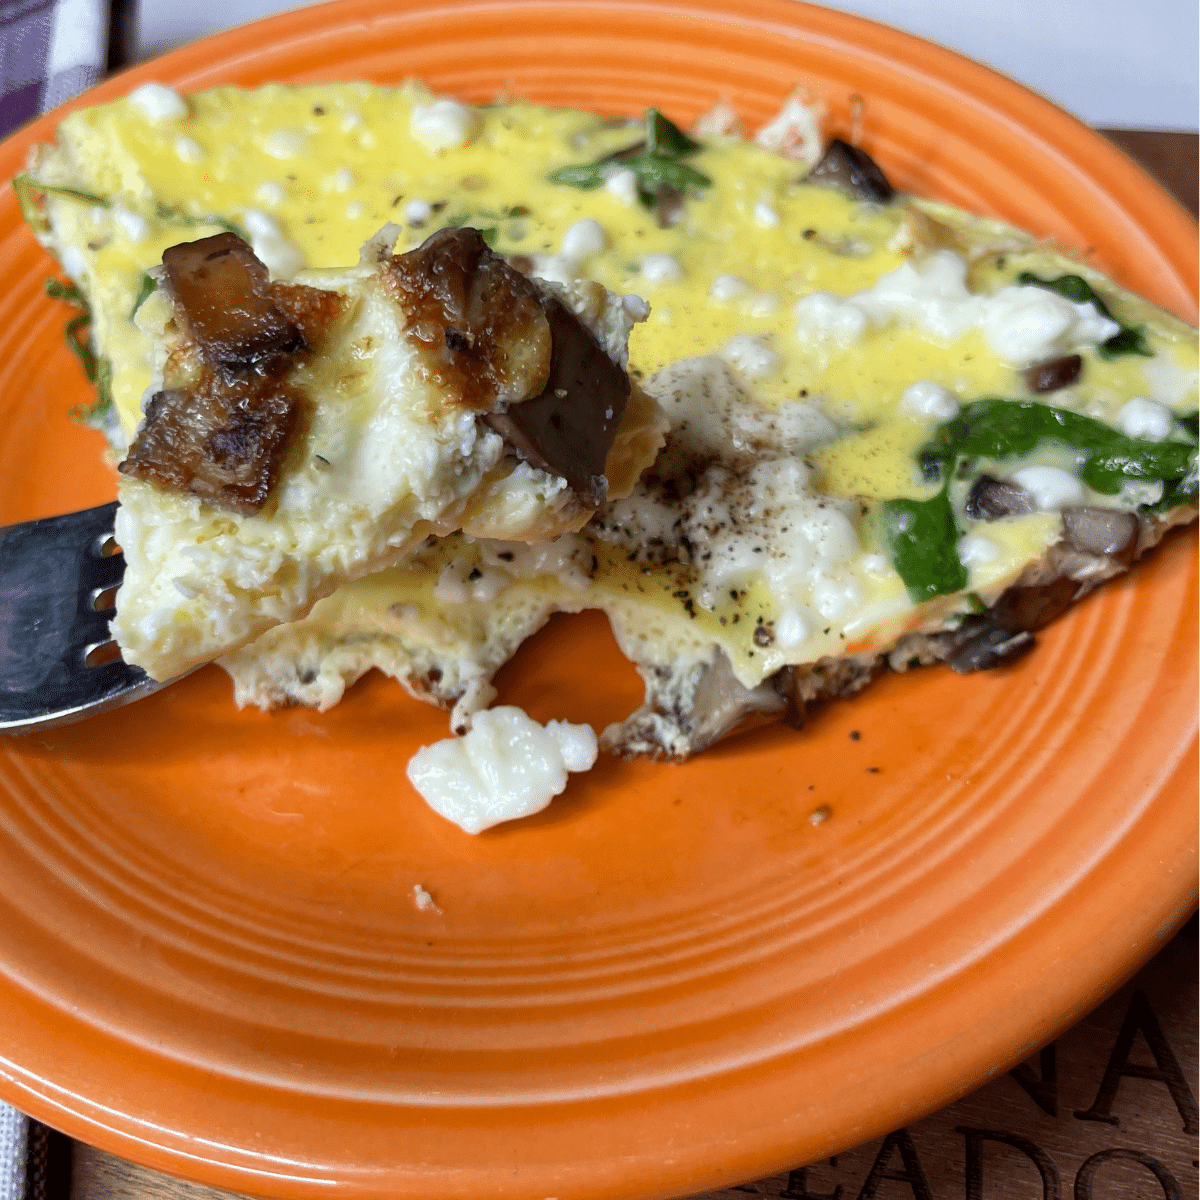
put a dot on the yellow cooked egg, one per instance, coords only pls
(857, 462)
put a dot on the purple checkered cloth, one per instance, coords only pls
(49, 50)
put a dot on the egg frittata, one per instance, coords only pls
(894, 432)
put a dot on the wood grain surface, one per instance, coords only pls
(1108, 1112)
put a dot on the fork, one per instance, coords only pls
(58, 662)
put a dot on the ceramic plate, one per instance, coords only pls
(210, 960)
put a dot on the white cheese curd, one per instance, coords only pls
(564, 558)
(283, 258)
(767, 525)
(765, 216)
(350, 122)
(824, 317)
(556, 268)
(460, 582)
(795, 132)
(159, 103)
(424, 900)
(443, 125)
(188, 150)
(1142, 418)
(584, 238)
(623, 184)
(354, 210)
(417, 212)
(765, 304)
(1028, 324)
(270, 194)
(720, 121)
(790, 628)
(508, 766)
(135, 227)
(1174, 385)
(342, 180)
(728, 287)
(834, 596)
(750, 356)
(976, 550)
(636, 307)
(927, 399)
(285, 143)
(1050, 487)
(930, 293)
(74, 263)
(661, 268)
(1022, 324)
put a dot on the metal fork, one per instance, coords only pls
(58, 662)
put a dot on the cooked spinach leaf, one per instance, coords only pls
(1130, 339)
(666, 138)
(922, 535)
(1000, 428)
(922, 540)
(655, 161)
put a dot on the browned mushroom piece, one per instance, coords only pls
(988, 647)
(668, 205)
(535, 371)
(223, 293)
(991, 499)
(225, 436)
(569, 428)
(223, 441)
(852, 170)
(480, 322)
(1096, 530)
(1054, 374)
(721, 705)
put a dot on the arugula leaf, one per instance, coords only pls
(62, 289)
(655, 161)
(146, 289)
(1000, 428)
(176, 216)
(29, 195)
(81, 344)
(922, 541)
(102, 415)
(1130, 339)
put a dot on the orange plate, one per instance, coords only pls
(210, 960)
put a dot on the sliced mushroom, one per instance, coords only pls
(1029, 608)
(668, 205)
(223, 293)
(569, 428)
(1054, 374)
(224, 440)
(478, 321)
(992, 499)
(721, 705)
(224, 437)
(988, 647)
(1096, 530)
(852, 170)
